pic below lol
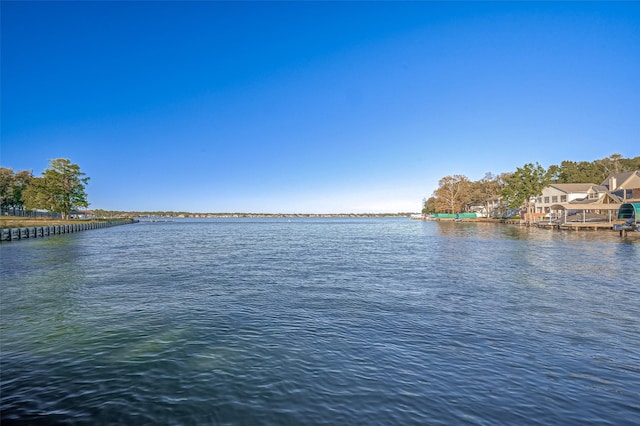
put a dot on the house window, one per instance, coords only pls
(593, 195)
(539, 200)
(554, 199)
(546, 200)
(563, 198)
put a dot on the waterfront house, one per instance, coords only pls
(477, 207)
(563, 193)
(581, 202)
(624, 185)
(497, 208)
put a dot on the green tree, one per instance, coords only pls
(611, 165)
(577, 172)
(429, 205)
(6, 186)
(615, 163)
(12, 186)
(525, 183)
(592, 171)
(629, 164)
(61, 188)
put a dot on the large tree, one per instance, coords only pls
(429, 205)
(452, 193)
(592, 171)
(6, 186)
(577, 172)
(524, 184)
(487, 188)
(61, 188)
(12, 185)
(615, 163)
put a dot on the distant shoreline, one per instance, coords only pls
(271, 215)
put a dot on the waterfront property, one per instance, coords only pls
(586, 205)
(624, 185)
(601, 209)
(564, 193)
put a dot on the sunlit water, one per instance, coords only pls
(321, 321)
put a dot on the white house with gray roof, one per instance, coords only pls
(560, 193)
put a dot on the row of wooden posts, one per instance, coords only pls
(13, 234)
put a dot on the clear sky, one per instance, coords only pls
(305, 107)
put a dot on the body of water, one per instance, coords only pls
(320, 321)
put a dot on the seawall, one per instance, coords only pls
(14, 234)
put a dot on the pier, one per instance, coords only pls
(577, 226)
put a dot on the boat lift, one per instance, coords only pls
(631, 212)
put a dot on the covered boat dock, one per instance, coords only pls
(583, 216)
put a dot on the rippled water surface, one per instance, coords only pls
(320, 321)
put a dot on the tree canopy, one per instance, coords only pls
(452, 193)
(12, 185)
(526, 182)
(591, 172)
(517, 188)
(60, 189)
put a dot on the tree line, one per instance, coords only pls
(61, 188)
(456, 192)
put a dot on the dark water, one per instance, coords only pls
(321, 321)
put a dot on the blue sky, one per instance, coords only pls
(304, 107)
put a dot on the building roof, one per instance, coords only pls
(608, 198)
(608, 202)
(600, 188)
(585, 206)
(620, 178)
(573, 187)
